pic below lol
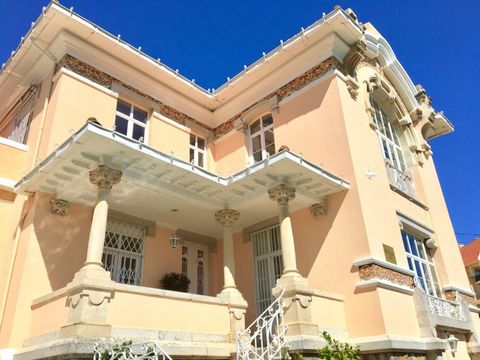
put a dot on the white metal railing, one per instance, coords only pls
(128, 351)
(402, 180)
(445, 308)
(264, 339)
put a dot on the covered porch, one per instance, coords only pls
(127, 182)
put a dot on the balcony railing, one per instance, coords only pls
(401, 180)
(445, 308)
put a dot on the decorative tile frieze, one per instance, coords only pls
(59, 206)
(101, 78)
(374, 271)
(283, 92)
(454, 295)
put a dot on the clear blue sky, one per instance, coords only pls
(437, 42)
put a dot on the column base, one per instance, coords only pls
(297, 297)
(237, 307)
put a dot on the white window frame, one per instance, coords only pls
(197, 150)
(420, 272)
(389, 141)
(260, 132)
(131, 120)
(116, 254)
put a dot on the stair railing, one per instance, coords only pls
(264, 339)
(128, 351)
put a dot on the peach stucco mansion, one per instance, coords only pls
(299, 197)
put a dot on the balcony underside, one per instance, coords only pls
(154, 183)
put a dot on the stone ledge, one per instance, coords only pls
(384, 284)
(388, 343)
(373, 260)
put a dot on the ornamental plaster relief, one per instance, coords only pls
(59, 206)
(454, 295)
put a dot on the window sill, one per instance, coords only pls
(13, 144)
(409, 197)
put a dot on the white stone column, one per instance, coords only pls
(283, 194)
(227, 217)
(237, 306)
(104, 178)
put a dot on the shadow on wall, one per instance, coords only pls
(316, 240)
(62, 239)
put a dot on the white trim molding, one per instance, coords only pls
(373, 260)
(13, 144)
(384, 284)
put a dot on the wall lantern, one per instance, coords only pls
(174, 240)
(452, 343)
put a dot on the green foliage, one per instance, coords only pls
(175, 281)
(336, 350)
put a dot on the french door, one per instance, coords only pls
(267, 264)
(194, 266)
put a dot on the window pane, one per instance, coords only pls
(270, 149)
(123, 107)
(192, 156)
(405, 241)
(254, 127)
(192, 139)
(269, 139)
(256, 144)
(200, 143)
(413, 245)
(121, 125)
(421, 250)
(386, 154)
(410, 264)
(139, 115)
(257, 156)
(200, 159)
(267, 120)
(138, 132)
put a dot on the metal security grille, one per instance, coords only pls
(123, 252)
(267, 263)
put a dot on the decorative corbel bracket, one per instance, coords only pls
(59, 206)
(319, 209)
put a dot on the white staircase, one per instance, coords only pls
(264, 339)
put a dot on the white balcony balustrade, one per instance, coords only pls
(400, 179)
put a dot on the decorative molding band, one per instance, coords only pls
(384, 264)
(281, 93)
(91, 73)
(474, 308)
(455, 293)
(79, 67)
(450, 287)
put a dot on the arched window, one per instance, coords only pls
(388, 138)
(262, 141)
(399, 175)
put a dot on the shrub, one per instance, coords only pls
(336, 350)
(175, 281)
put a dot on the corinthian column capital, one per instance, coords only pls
(282, 193)
(104, 177)
(226, 217)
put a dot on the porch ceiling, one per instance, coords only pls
(154, 183)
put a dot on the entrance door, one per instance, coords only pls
(267, 264)
(194, 266)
